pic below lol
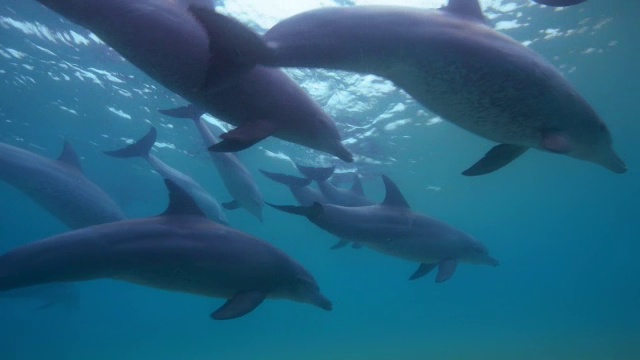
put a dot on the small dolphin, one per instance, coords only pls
(59, 186)
(235, 176)
(299, 188)
(455, 65)
(192, 57)
(393, 229)
(179, 250)
(333, 194)
(142, 148)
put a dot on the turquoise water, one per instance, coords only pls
(564, 231)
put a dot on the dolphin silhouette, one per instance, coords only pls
(180, 250)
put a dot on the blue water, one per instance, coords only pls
(565, 231)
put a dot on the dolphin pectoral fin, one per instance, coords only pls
(69, 157)
(556, 142)
(190, 111)
(340, 244)
(357, 245)
(356, 187)
(244, 136)
(239, 305)
(231, 205)
(446, 268)
(422, 270)
(498, 157)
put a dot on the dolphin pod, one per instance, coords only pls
(186, 57)
(452, 63)
(59, 186)
(235, 176)
(180, 250)
(393, 229)
(142, 148)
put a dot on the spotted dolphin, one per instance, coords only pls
(180, 250)
(455, 65)
(142, 148)
(164, 40)
(333, 194)
(393, 229)
(236, 177)
(58, 186)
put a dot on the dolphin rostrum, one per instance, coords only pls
(180, 250)
(455, 65)
(393, 229)
(236, 177)
(59, 186)
(142, 148)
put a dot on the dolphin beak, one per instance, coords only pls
(493, 262)
(343, 154)
(613, 162)
(322, 302)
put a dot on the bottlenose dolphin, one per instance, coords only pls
(333, 194)
(180, 250)
(162, 39)
(393, 229)
(142, 148)
(455, 65)
(236, 177)
(59, 186)
(299, 188)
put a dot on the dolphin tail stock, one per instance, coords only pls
(140, 148)
(288, 180)
(190, 111)
(316, 174)
(311, 212)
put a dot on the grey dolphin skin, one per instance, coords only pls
(59, 186)
(299, 188)
(455, 65)
(48, 295)
(235, 176)
(169, 44)
(393, 229)
(180, 250)
(142, 148)
(333, 194)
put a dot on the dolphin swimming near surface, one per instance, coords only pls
(452, 63)
(393, 229)
(299, 188)
(142, 148)
(235, 176)
(180, 250)
(59, 186)
(164, 40)
(333, 194)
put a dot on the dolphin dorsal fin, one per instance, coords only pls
(356, 187)
(394, 197)
(180, 202)
(469, 9)
(70, 157)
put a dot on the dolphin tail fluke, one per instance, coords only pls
(291, 181)
(140, 148)
(498, 157)
(184, 112)
(317, 174)
(310, 212)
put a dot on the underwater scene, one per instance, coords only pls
(319, 179)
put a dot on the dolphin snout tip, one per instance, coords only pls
(324, 303)
(494, 262)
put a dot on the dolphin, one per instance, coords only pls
(142, 148)
(557, 3)
(393, 229)
(165, 41)
(180, 250)
(47, 295)
(333, 194)
(59, 186)
(235, 176)
(455, 65)
(299, 188)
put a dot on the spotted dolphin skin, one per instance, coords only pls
(455, 65)
(179, 250)
(235, 176)
(164, 40)
(393, 229)
(59, 186)
(142, 148)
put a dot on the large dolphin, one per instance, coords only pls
(59, 186)
(179, 250)
(299, 188)
(333, 194)
(393, 229)
(142, 148)
(235, 176)
(165, 41)
(455, 65)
